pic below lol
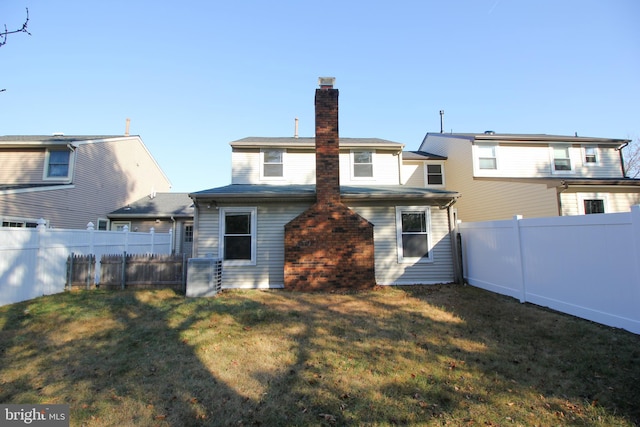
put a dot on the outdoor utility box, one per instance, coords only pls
(204, 277)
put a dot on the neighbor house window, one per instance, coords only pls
(590, 156)
(103, 224)
(561, 159)
(362, 164)
(188, 233)
(593, 206)
(19, 223)
(413, 229)
(435, 175)
(272, 163)
(120, 225)
(238, 235)
(487, 157)
(58, 164)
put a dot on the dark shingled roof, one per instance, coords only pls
(308, 192)
(54, 139)
(421, 155)
(161, 205)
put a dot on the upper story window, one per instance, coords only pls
(561, 159)
(362, 163)
(435, 174)
(487, 158)
(272, 163)
(57, 164)
(591, 156)
(238, 235)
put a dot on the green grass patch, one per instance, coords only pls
(438, 355)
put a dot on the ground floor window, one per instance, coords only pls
(19, 222)
(413, 230)
(238, 235)
(593, 206)
(120, 225)
(592, 203)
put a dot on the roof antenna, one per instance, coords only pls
(441, 116)
(295, 134)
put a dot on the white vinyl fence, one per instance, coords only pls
(33, 261)
(587, 266)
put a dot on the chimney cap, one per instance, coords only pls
(326, 82)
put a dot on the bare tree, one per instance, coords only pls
(6, 32)
(631, 155)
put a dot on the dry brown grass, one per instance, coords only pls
(440, 355)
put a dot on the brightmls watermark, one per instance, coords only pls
(34, 415)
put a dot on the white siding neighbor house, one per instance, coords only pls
(502, 175)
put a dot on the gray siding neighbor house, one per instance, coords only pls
(164, 212)
(70, 181)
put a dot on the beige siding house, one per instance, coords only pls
(502, 175)
(72, 180)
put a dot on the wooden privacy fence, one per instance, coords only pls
(143, 271)
(80, 271)
(120, 271)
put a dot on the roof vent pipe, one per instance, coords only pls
(295, 132)
(126, 127)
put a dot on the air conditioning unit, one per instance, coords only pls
(204, 277)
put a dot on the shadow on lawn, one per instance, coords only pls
(330, 359)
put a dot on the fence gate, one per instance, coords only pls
(80, 271)
(143, 271)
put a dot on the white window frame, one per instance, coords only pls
(494, 149)
(477, 148)
(13, 221)
(45, 171)
(353, 164)
(570, 155)
(262, 163)
(413, 209)
(592, 196)
(103, 220)
(596, 153)
(119, 225)
(253, 233)
(426, 173)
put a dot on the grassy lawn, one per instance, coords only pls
(440, 355)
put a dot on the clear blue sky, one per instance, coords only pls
(195, 75)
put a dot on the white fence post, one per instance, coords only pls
(152, 231)
(40, 258)
(635, 232)
(519, 260)
(125, 229)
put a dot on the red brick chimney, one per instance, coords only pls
(327, 144)
(328, 246)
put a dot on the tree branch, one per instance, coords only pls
(6, 32)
